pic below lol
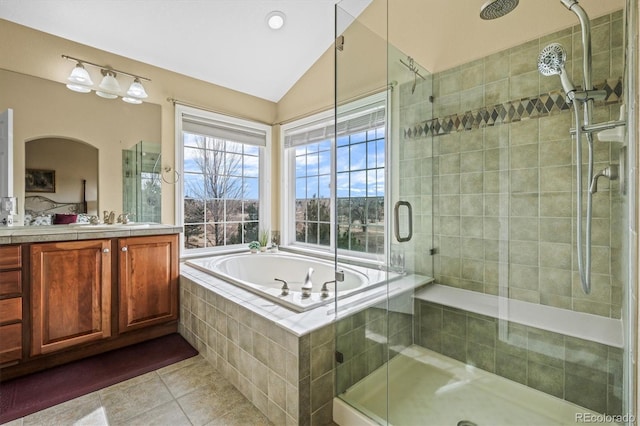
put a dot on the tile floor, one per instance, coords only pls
(190, 392)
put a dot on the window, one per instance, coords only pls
(357, 221)
(224, 179)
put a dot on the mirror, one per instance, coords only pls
(62, 170)
(45, 110)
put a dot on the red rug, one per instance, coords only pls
(25, 395)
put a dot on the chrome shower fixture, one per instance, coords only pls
(610, 172)
(414, 69)
(493, 9)
(551, 62)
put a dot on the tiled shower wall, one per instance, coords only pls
(586, 373)
(499, 175)
(368, 339)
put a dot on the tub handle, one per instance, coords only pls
(324, 292)
(396, 227)
(285, 287)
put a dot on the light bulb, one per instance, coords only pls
(80, 75)
(136, 90)
(109, 86)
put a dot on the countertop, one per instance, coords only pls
(30, 234)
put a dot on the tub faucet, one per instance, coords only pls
(308, 285)
(285, 287)
(324, 292)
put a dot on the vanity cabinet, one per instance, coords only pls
(61, 301)
(10, 304)
(70, 294)
(148, 290)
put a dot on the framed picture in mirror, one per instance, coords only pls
(37, 180)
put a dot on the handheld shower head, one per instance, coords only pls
(551, 62)
(493, 9)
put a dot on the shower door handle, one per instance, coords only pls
(396, 220)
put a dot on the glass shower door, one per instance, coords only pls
(383, 205)
(362, 209)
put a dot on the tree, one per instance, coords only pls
(316, 228)
(221, 189)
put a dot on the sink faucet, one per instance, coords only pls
(109, 217)
(308, 285)
(123, 218)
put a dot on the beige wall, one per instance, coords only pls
(362, 69)
(39, 107)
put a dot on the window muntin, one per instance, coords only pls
(223, 187)
(360, 191)
(313, 193)
(358, 220)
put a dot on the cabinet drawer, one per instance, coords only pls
(10, 257)
(10, 343)
(10, 282)
(10, 310)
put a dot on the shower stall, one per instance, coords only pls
(509, 203)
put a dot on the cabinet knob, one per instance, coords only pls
(125, 249)
(105, 250)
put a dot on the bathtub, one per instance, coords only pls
(258, 272)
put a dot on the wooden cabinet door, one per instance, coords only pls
(148, 291)
(70, 294)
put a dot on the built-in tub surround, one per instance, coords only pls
(282, 361)
(266, 273)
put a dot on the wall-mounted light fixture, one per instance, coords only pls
(109, 88)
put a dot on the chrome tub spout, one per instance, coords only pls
(308, 285)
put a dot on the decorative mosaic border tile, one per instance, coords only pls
(508, 112)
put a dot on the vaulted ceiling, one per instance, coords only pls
(227, 42)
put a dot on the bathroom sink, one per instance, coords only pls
(133, 225)
(88, 226)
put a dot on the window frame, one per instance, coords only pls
(288, 180)
(264, 177)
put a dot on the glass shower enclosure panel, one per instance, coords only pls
(480, 193)
(395, 233)
(141, 182)
(361, 208)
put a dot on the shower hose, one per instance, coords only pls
(584, 260)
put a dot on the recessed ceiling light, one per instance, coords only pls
(275, 20)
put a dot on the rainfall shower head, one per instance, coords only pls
(493, 9)
(551, 62)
